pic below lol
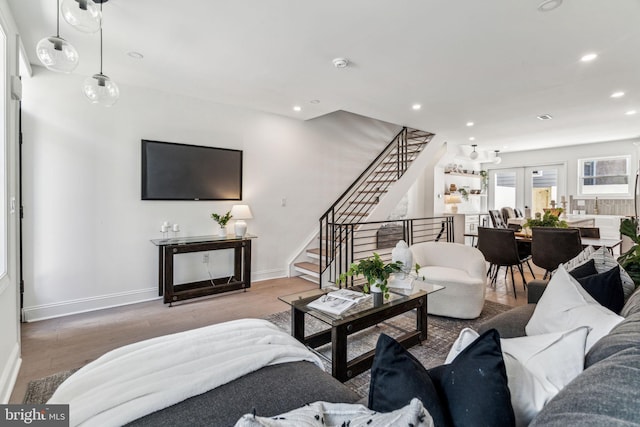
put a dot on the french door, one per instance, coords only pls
(533, 187)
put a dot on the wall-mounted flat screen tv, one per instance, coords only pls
(190, 172)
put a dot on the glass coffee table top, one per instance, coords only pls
(300, 301)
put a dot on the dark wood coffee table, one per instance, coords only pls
(361, 316)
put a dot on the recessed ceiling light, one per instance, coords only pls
(470, 124)
(549, 5)
(135, 55)
(545, 117)
(416, 106)
(340, 62)
(314, 101)
(631, 112)
(297, 108)
(589, 57)
(472, 138)
(617, 94)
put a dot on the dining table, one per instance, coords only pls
(609, 243)
(597, 243)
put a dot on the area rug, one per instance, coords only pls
(441, 333)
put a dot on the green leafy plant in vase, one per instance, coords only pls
(630, 260)
(222, 221)
(375, 271)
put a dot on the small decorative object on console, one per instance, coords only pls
(222, 221)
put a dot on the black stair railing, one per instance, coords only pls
(361, 240)
(364, 194)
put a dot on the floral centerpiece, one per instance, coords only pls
(546, 220)
(375, 271)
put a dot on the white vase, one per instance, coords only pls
(375, 287)
(222, 232)
(403, 254)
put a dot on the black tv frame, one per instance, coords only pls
(145, 171)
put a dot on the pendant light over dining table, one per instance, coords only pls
(56, 53)
(99, 88)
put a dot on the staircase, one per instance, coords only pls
(359, 200)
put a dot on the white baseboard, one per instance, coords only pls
(10, 374)
(83, 305)
(275, 273)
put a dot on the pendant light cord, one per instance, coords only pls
(100, 37)
(58, 18)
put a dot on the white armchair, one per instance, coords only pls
(461, 269)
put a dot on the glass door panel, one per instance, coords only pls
(527, 187)
(544, 187)
(505, 188)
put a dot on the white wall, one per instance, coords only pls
(570, 155)
(86, 232)
(9, 317)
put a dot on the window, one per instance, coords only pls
(606, 175)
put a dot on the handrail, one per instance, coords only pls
(364, 173)
(356, 241)
(365, 192)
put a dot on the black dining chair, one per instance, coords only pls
(499, 247)
(496, 219)
(590, 232)
(551, 247)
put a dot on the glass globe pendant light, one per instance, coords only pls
(474, 154)
(56, 53)
(497, 160)
(100, 89)
(83, 15)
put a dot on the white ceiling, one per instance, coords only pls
(498, 63)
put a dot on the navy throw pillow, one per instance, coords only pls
(471, 391)
(584, 270)
(606, 288)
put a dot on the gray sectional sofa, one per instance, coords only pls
(269, 391)
(607, 392)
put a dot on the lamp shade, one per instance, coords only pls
(241, 212)
(83, 15)
(57, 54)
(451, 199)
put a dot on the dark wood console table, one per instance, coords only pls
(241, 278)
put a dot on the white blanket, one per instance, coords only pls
(132, 381)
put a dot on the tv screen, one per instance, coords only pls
(190, 172)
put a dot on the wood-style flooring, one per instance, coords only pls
(64, 343)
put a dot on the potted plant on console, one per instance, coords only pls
(222, 221)
(375, 271)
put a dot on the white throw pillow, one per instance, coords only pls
(604, 262)
(538, 367)
(324, 414)
(565, 305)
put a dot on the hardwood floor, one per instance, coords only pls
(64, 343)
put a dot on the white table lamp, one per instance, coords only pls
(453, 200)
(240, 213)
